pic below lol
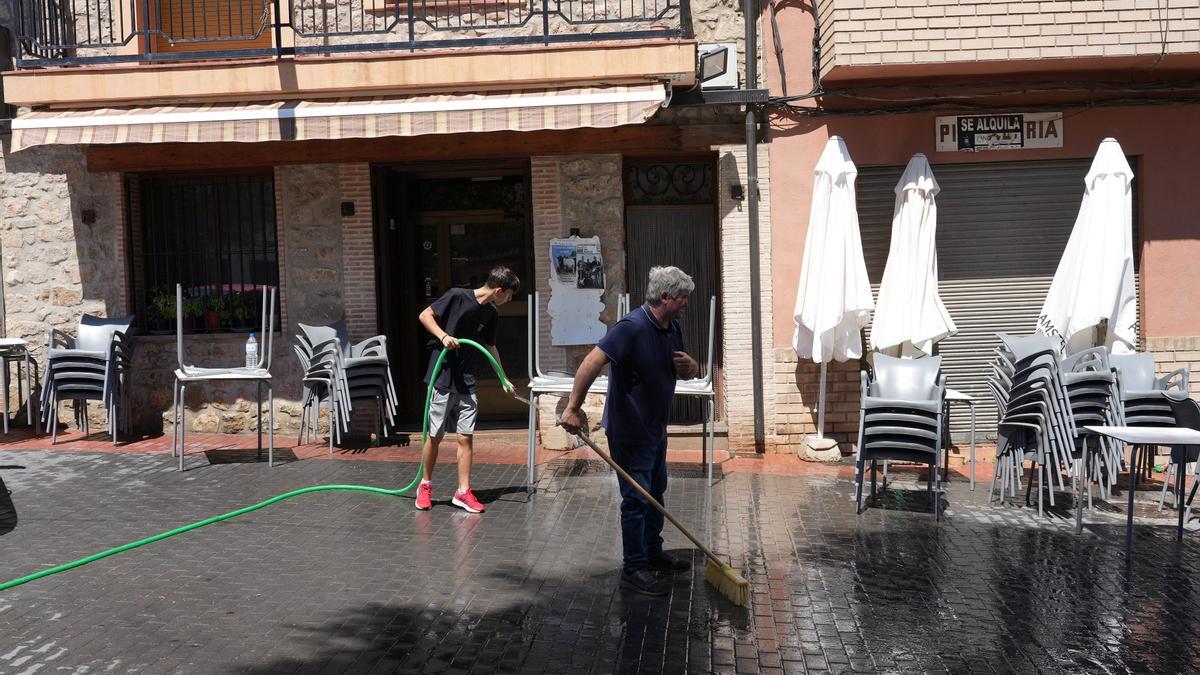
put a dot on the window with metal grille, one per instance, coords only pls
(213, 233)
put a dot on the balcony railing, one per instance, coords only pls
(76, 32)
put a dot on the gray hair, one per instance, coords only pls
(669, 280)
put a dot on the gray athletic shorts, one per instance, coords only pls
(452, 411)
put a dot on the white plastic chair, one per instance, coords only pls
(701, 386)
(546, 383)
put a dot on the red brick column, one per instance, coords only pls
(358, 252)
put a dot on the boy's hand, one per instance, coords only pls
(449, 342)
(573, 420)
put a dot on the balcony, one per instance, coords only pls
(53, 33)
(97, 53)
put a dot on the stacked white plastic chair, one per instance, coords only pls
(1034, 417)
(903, 402)
(1143, 401)
(92, 366)
(337, 373)
(1091, 389)
(1044, 405)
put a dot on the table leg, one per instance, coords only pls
(174, 416)
(5, 360)
(531, 454)
(1082, 477)
(182, 423)
(1129, 516)
(31, 379)
(270, 426)
(258, 456)
(972, 406)
(712, 436)
(1179, 474)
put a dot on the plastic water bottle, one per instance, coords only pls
(252, 352)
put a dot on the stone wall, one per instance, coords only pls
(583, 191)
(496, 20)
(56, 266)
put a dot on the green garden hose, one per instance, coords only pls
(437, 367)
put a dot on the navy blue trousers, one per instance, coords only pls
(641, 523)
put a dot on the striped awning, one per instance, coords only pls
(520, 110)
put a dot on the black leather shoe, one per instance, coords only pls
(640, 581)
(665, 563)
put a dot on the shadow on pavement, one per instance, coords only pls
(8, 512)
(597, 628)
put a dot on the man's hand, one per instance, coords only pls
(508, 388)
(573, 420)
(449, 342)
(685, 366)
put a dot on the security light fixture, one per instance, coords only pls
(713, 62)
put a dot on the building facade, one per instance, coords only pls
(363, 157)
(1009, 102)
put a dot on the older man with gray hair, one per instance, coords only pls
(646, 355)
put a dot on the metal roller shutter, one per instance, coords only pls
(1002, 228)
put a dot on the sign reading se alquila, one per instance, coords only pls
(1003, 131)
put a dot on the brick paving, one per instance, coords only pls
(353, 582)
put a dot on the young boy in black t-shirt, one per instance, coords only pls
(461, 313)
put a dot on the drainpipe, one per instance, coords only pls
(748, 13)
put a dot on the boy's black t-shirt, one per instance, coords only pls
(461, 316)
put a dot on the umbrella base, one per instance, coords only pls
(820, 449)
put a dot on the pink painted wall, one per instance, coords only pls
(1164, 138)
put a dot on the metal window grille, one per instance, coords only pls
(216, 235)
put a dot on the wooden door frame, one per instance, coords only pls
(390, 190)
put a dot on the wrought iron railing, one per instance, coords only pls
(74, 32)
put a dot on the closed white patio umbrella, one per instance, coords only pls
(1094, 280)
(910, 316)
(833, 301)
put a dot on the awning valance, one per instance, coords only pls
(415, 115)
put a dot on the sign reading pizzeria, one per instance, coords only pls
(1005, 131)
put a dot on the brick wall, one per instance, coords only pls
(358, 252)
(1171, 353)
(797, 383)
(734, 304)
(883, 32)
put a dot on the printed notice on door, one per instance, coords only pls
(1002, 131)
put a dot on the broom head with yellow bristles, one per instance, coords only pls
(730, 584)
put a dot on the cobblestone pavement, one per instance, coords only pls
(353, 582)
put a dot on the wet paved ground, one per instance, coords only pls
(350, 582)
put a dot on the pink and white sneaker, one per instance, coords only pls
(467, 502)
(425, 496)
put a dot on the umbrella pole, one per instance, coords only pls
(821, 402)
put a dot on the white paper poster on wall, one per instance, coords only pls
(576, 284)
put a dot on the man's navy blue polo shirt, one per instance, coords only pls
(641, 377)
